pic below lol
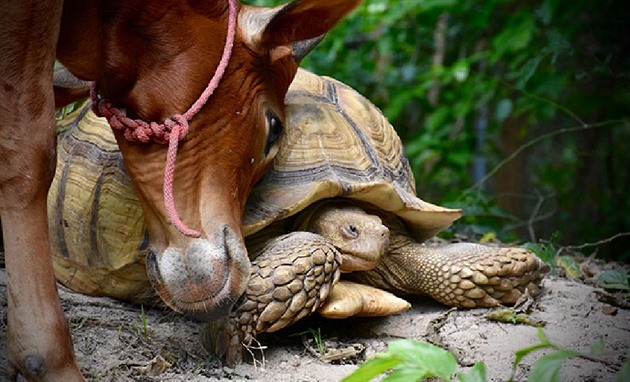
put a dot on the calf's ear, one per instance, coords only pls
(294, 28)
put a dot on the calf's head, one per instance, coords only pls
(154, 58)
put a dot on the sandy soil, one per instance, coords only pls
(113, 343)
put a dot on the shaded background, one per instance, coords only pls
(515, 111)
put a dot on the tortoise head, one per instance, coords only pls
(361, 238)
(154, 59)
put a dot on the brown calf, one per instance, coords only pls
(152, 58)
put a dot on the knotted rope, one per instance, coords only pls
(173, 129)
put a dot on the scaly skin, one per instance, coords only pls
(464, 275)
(290, 279)
(294, 273)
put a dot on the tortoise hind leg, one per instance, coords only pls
(289, 280)
(463, 275)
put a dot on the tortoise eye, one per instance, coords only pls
(352, 231)
(275, 129)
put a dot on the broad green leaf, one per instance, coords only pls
(373, 367)
(547, 368)
(515, 37)
(526, 72)
(425, 356)
(545, 252)
(476, 374)
(521, 353)
(407, 374)
(614, 279)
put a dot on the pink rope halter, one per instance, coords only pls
(173, 129)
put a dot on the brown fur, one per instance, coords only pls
(153, 58)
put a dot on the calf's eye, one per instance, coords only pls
(275, 129)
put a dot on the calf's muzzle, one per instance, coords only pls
(202, 278)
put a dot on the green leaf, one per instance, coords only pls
(557, 43)
(476, 374)
(542, 336)
(597, 346)
(425, 356)
(428, 5)
(458, 157)
(412, 360)
(403, 374)
(373, 367)
(526, 71)
(515, 37)
(547, 368)
(545, 252)
(614, 279)
(437, 119)
(521, 353)
(503, 109)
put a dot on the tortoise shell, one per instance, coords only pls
(96, 224)
(338, 144)
(335, 144)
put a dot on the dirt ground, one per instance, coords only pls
(114, 343)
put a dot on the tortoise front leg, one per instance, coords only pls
(463, 275)
(291, 277)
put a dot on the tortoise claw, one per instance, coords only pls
(349, 299)
(223, 339)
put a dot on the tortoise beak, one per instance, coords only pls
(203, 279)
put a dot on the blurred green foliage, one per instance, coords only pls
(466, 83)
(411, 360)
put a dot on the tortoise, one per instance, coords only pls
(336, 210)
